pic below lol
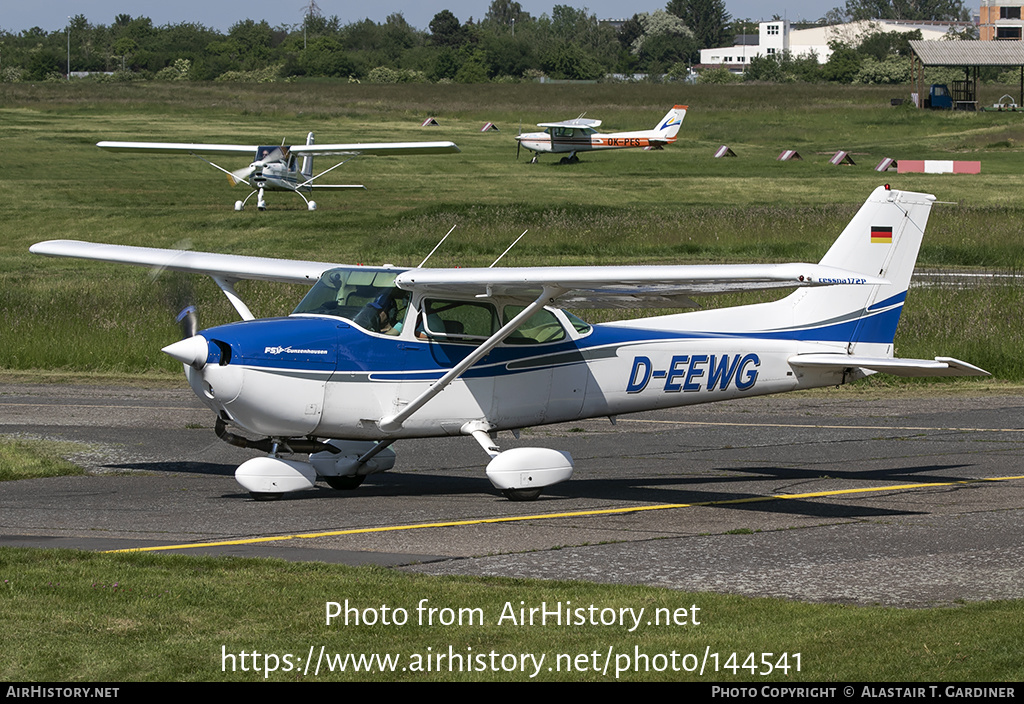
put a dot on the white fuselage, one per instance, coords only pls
(566, 140)
(321, 376)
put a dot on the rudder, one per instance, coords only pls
(668, 126)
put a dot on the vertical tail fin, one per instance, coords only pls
(669, 125)
(307, 161)
(883, 240)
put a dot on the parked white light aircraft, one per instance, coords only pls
(580, 135)
(276, 168)
(365, 356)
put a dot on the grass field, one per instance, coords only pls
(680, 205)
(116, 618)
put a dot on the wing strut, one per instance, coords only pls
(228, 287)
(314, 178)
(393, 422)
(233, 178)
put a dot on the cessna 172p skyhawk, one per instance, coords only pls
(276, 168)
(580, 135)
(365, 356)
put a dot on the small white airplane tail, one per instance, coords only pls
(307, 161)
(669, 125)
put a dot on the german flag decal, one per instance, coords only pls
(881, 235)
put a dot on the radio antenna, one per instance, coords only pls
(435, 247)
(509, 249)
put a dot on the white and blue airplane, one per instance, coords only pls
(277, 168)
(373, 355)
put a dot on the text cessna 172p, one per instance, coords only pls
(579, 135)
(372, 355)
(276, 168)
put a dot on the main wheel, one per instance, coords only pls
(345, 483)
(264, 496)
(521, 494)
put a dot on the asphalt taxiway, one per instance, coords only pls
(830, 496)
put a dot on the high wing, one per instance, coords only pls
(180, 147)
(624, 286)
(224, 269)
(376, 149)
(372, 148)
(226, 266)
(579, 122)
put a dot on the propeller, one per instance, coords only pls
(178, 294)
(191, 349)
(519, 141)
(188, 319)
(242, 175)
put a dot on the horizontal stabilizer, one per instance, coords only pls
(319, 186)
(940, 366)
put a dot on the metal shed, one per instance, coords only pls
(969, 55)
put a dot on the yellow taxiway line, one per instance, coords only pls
(819, 425)
(569, 514)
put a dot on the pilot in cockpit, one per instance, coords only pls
(381, 315)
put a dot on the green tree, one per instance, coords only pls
(666, 40)
(707, 19)
(446, 30)
(251, 42)
(939, 10)
(323, 56)
(843, 65)
(569, 61)
(629, 32)
(880, 45)
(506, 13)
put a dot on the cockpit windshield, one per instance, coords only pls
(365, 296)
(272, 154)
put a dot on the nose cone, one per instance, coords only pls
(191, 351)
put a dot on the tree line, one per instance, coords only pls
(507, 44)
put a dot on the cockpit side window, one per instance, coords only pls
(458, 321)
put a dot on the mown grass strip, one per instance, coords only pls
(72, 616)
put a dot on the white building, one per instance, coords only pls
(776, 36)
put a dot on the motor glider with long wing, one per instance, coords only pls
(277, 168)
(374, 355)
(581, 135)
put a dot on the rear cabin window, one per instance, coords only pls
(539, 328)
